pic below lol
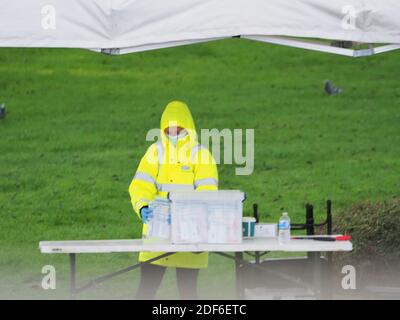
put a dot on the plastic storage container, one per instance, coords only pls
(206, 216)
(159, 226)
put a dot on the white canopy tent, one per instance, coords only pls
(124, 26)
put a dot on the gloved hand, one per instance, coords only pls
(146, 213)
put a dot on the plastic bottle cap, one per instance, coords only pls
(285, 214)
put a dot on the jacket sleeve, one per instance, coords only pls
(205, 171)
(143, 187)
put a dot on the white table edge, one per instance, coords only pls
(137, 245)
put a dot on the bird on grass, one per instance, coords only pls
(2, 111)
(331, 90)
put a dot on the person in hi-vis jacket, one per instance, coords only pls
(176, 162)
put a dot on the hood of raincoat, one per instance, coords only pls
(177, 114)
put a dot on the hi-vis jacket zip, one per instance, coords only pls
(165, 168)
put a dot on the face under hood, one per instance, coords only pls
(177, 114)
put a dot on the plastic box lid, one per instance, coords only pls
(219, 195)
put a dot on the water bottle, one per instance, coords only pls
(284, 229)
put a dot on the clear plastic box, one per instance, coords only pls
(159, 226)
(206, 216)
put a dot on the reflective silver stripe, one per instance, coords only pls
(206, 182)
(195, 149)
(174, 187)
(144, 177)
(145, 201)
(160, 152)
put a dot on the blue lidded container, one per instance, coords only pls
(248, 224)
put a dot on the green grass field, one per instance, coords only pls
(76, 127)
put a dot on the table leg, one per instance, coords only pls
(257, 257)
(239, 275)
(72, 275)
(327, 285)
(317, 274)
(322, 277)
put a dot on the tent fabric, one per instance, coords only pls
(138, 25)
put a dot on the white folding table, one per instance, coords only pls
(261, 245)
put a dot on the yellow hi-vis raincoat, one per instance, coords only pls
(165, 167)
